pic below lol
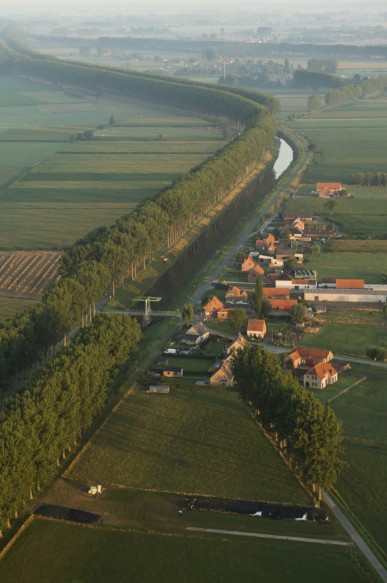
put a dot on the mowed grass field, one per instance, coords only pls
(54, 190)
(191, 441)
(363, 481)
(350, 138)
(94, 555)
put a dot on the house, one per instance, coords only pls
(223, 376)
(256, 328)
(223, 313)
(306, 356)
(196, 334)
(212, 306)
(305, 217)
(238, 344)
(267, 244)
(320, 376)
(248, 264)
(254, 273)
(327, 189)
(173, 372)
(158, 389)
(236, 295)
(276, 263)
(349, 283)
(276, 292)
(284, 305)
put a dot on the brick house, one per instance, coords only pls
(256, 328)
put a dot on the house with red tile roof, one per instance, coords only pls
(254, 273)
(256, 328)
(234, 294)
(212, 306)
(307, 356)
(320, 376)
(279, 304)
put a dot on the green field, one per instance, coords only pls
(95, 555)
(11, 306)
(366, 213)
(53, 190)
(348, 332)
(201, 442)
(350, 138)
(363, 482)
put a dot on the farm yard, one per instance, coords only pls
(55, 187)
(194, 441)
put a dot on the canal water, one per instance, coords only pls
(284, 159)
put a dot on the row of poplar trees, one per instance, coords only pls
(44, 418)
(106, 256)
(41, 424)
(306, 431)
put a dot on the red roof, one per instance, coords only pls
(314, 353)
(349, 283)
(256, 326)
(282, 304)
(276, 292)
(321, 370)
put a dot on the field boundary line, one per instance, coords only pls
(346, 389)
(20, 531)
(322, 541)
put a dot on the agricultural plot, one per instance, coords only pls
(96, 555)
(11, 306)
(27, 274)
(363, 482)
(198, 441)
(350, 138)
(53, 189)
(365, 214)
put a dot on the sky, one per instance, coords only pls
(165, 6)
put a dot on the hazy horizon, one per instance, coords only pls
(175, 6)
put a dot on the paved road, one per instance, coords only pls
(299, 539)
(357, 539)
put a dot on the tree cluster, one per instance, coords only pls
(353, 91)
(371, 178)
(42, 424)
(306, 431)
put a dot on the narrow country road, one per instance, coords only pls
(357, 539)
(299, 539)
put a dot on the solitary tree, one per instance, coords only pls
(258, 298)
(330, 205)
(238, 319)
(298, 313)
(187, 312)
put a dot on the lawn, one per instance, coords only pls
(201, 442)
(55, 190)
(91, 555)
(363, 481)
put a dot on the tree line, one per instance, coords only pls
(306, 431)
(42, 424)
(106, 256)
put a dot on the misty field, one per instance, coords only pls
(55, 187)
(349, 138)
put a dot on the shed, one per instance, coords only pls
(158, 389)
